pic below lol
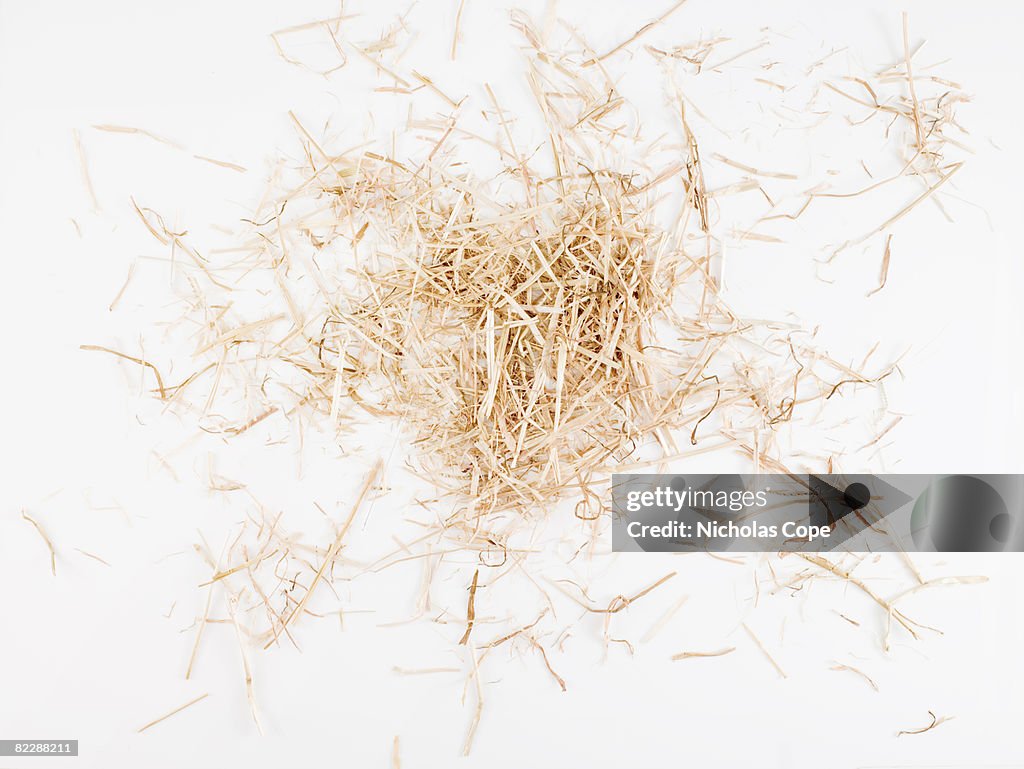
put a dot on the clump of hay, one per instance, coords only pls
(518, 341)
(529, 328)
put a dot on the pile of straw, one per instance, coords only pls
(529, 331)
(517, 341)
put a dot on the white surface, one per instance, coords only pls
(89, 654)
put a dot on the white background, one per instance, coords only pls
(90, 655)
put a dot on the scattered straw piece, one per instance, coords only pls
(332, 552)
(83, 164)
(692, 655)
(755, 171)
(935, 722)
(764, 651)
(223, 164)
(133, 359)
(910, 83)
(478, 709)
(424, 671)
(49, 543)
(124, 287)
(636, 35)
(455, 32)
(663, 619)
(200, 627)
(177, 710)
(838, 571)
(861, 673)
(931, 190)
(93, 557)
(470, 609)
(884, 270)
(121, 129)
(250, 692)
(547, 663)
